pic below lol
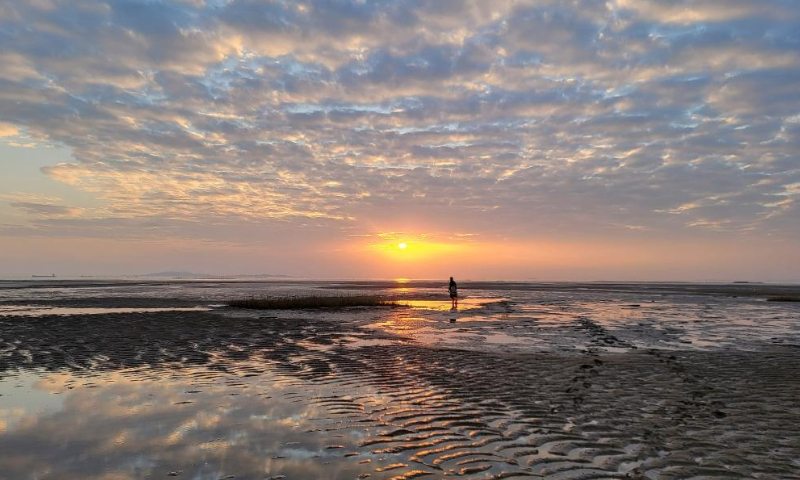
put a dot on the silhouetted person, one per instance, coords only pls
(453, 292)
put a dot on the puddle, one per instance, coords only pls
(198, 423)
(356, 342)
(469, 303)
(505, 339)
(38, 310)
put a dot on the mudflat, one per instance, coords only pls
(559, 384)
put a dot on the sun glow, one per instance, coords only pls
(418, 249)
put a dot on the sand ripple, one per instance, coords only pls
(404, 411)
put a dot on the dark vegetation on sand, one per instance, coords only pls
(784, 298)
(311, 302)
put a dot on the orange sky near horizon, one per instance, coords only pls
(422, 259)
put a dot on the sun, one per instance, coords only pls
(402, 245)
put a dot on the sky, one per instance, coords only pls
(511, 140)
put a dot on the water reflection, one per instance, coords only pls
(38, 310)
(441, 305)
(130, 425)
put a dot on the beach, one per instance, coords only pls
(149, 380)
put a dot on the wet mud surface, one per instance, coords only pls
(402, 393)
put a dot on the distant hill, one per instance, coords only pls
(186, 274)
(175, 274)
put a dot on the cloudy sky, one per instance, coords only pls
(579, 139)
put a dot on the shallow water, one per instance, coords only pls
(40, 311)
(524, 383)
(198, 424)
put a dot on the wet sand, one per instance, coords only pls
(510, 390)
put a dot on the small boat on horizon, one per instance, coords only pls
(52, 275)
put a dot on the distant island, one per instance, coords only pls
(192, 275)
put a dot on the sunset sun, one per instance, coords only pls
(402, 245)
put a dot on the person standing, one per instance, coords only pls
(453, 292)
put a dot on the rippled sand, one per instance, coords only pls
(523, 385)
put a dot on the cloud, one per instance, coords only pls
(497, 118)
(47, 210)
(41, 206)
(8, 130)
(694, 11)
